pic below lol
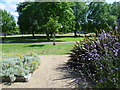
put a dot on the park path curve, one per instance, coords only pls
(48, 75)
(52, 73)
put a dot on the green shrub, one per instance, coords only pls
(18, 65)
(99, 59)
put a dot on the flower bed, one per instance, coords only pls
(99, 59)
(18, 67)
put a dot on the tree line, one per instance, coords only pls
(61, 17)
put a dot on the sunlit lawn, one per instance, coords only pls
(24, 35)
(39, 48)
(25, 44)
(27, 38)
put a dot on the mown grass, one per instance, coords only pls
(67, 34)
(25, 35)
(39, 48)
(40, 38)
(25, 44)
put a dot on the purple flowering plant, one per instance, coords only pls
(99, 59)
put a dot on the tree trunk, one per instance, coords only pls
(4, 35)
(96, 33)
(48, 37)
(33, 34)
(54, 39)
(51, 34)
(76, 28)
(75, 33)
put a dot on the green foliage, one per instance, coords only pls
(17, 30)
(18, 65)
(114, 9)
(80, 10)
(27, 22)
(8, 22)
(53, 25)
(99, 16)
(42, 13)
(71, 16)
(99, 59)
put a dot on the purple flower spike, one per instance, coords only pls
(117, 43)
(116, 27)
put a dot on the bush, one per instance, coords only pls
(99, 59)
(18, 65)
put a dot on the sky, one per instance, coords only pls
(10, 6)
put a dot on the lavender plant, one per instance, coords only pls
(99, 59)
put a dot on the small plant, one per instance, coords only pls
(18, 65)
(99, 59)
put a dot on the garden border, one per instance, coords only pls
(19, 79)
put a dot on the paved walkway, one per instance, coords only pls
(52, 73)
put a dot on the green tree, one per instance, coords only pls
(8, 23)
(53, 26)
(114, 9)
(80, 10)
(27, 18)
(40, 14)
(99, 16)
(60, 10)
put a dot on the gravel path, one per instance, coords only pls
(52, 73)
(48, 75)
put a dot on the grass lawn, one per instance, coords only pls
(39, 48)
(40, 38)
(17, 45)
(67, 34)
(24, 35)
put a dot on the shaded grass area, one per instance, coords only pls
(39, 39)
(39, 48)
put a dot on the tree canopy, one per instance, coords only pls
(46, 17)
(80, 11)
(8, 23)
(99, 16)
(34, 16)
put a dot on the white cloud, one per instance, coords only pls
(12, 1)
(10, 6)
(14, 14)
(2, 6)
(111, 1)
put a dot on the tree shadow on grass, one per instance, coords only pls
(27, 39)
(77, 80)
(41, 45)
(30, 39)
